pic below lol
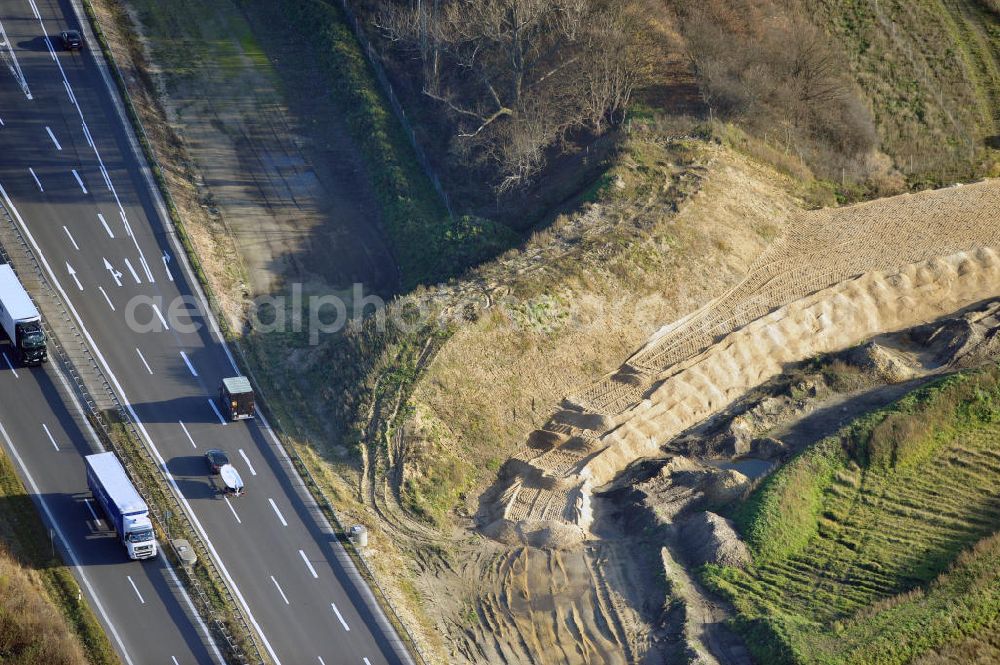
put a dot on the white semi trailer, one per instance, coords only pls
(122, 504)
(20, 319)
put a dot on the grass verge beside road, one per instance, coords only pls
(43, 619)
(428, 245)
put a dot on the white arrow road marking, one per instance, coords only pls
(72, 273)
(105, 225)
(7, 360)
(277, 512)
(136, 589)
(75, 246)
(230, 504)
(135, 275)
(86, 502)
(247, 460)
(222, 420)
(37, 181)
(105, 294)
(188, 363)
(115, 275)
(308, 565)
(339, 616)
(143, 360)
(166, 261)
(53, 137)
(187, 433)
(78, 180)
(283, 596)
(159, 315)
(49, 434)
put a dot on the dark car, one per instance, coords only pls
(72, 40)
(216, 459)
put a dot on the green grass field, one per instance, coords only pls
(879, 544)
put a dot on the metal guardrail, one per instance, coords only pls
(164, 516)
(315, 490)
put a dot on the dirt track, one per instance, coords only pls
(872, 268)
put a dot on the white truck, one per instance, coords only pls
(20, 319)
(125, 509)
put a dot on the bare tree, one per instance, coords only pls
(517, 75)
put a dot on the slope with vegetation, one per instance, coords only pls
(627, 213)
(43, 619)
(881, 543)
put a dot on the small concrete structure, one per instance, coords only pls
(185, 553)
(358, 535)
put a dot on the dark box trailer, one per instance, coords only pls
(124, 507)
(20, 319)
(236, 397)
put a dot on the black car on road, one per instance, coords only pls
(72, 40)
(216, 460)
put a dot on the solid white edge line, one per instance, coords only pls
(206, 635)
(53, 137)
(340, 616)
(247, 460)
(278, 587)
(186, 432)
(106, 297)
(143, 359)
(66, 546)
(142, 429)
(278, 512)
(7, 360)
(308, 564)
(402, 652)
(233, 510)
(187, 362)
(145, 268)
(136, 589)
(49, 434)
(135, 275)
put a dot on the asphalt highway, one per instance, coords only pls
(71, 177)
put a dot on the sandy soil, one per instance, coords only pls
(878, 285)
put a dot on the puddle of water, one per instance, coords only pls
(750, 467)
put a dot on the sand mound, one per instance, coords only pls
(711, 538)
(953, 232)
